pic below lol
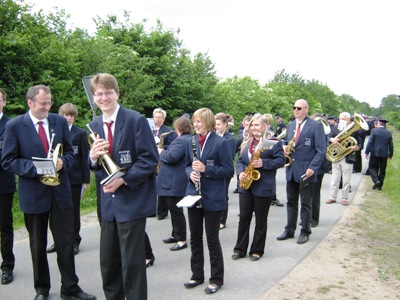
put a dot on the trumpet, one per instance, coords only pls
(52, 180)
(112, 169)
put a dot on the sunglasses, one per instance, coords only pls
(297, 108)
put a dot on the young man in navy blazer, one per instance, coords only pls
(309, 151)
(44, 204)
(126, 201)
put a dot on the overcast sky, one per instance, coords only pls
(352, 46)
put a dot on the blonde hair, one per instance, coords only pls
(266, 121)
(206, 116)
(106, 80)
(161, 111)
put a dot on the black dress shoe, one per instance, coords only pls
(77, 296)
(6, 277)
(193, 283)
(177, 247)
(212, 288)
(284, 236)
(235, 191)
(376, 185)
(254, 257)
(151, 261)
(170, 240)
(236, 256)
(302, 239)
(277, 202)
(51, 249)
(76, 249)
(41, 296)
(161, 217)
(314, 224)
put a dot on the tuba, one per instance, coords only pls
(250, 172)
(52, 180)
(112, 169)
(337, 152)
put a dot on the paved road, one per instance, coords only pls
(243, 278)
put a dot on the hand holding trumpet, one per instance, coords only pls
(99, 148)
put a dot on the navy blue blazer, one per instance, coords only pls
(167, 139)
(21, 143)
(79, 173)
(232, 142)
(272, 159)
(380, 143)
(7, 179)
(134, 149)
(309, 150)
(172, 179)
(219, 166)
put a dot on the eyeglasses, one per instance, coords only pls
(297, 108)
(107, 94)
(43, 104)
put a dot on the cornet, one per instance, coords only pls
(112, 169)
(52, 180)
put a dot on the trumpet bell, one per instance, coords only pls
(50, 180)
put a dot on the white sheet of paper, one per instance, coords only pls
(44, 166)
(188, 201)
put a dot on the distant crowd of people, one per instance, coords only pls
(146, 171)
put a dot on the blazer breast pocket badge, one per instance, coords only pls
(307, 142)
(210, 162)
(125, 157)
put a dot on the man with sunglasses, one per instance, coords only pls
(308, 139)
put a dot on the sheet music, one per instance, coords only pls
(44, 166)
(188, 201)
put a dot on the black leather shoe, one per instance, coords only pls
(160, 217)
(302, 239)
(193, 283)
(177, 247)
(236, 256)
(212, 288)
(254, 257)
(151, 261)
(314, 224)
(41, 296)
(284, 236)
(170, 240)
(51, 249)
(235, 191)
(77, 296)
(7, 277)
(76, 249)
(376, 185)
(276, 202)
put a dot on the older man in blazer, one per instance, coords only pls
(379, 150)
(309, 147)
(29, 136)
(127, 200)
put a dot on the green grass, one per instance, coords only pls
(379, 222)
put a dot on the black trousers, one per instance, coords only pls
(357, 166)
(316, 199)
(76, 202)
(7, 232)
(62, 228)
(225, 212)
(162, 208)
(178, 219)
(212, 220)
(377, 168)
(122, 260)
(293, 192)
(147, 246)
(260, 206)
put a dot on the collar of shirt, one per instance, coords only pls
(113, 118)
(1, 115)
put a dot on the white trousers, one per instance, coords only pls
(342, 170)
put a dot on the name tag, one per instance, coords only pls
(125, 157)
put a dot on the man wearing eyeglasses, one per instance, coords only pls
(308, 139)
(126, 201)
(36, 134)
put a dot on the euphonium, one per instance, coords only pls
(250, 172)
(327, 128)
(52, 180)
(112, 169)
(337, 152)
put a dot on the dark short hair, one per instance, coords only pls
(33, 91)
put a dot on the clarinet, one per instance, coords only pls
(198, 183)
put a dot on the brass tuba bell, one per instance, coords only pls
(52, 180)
(112, 169)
